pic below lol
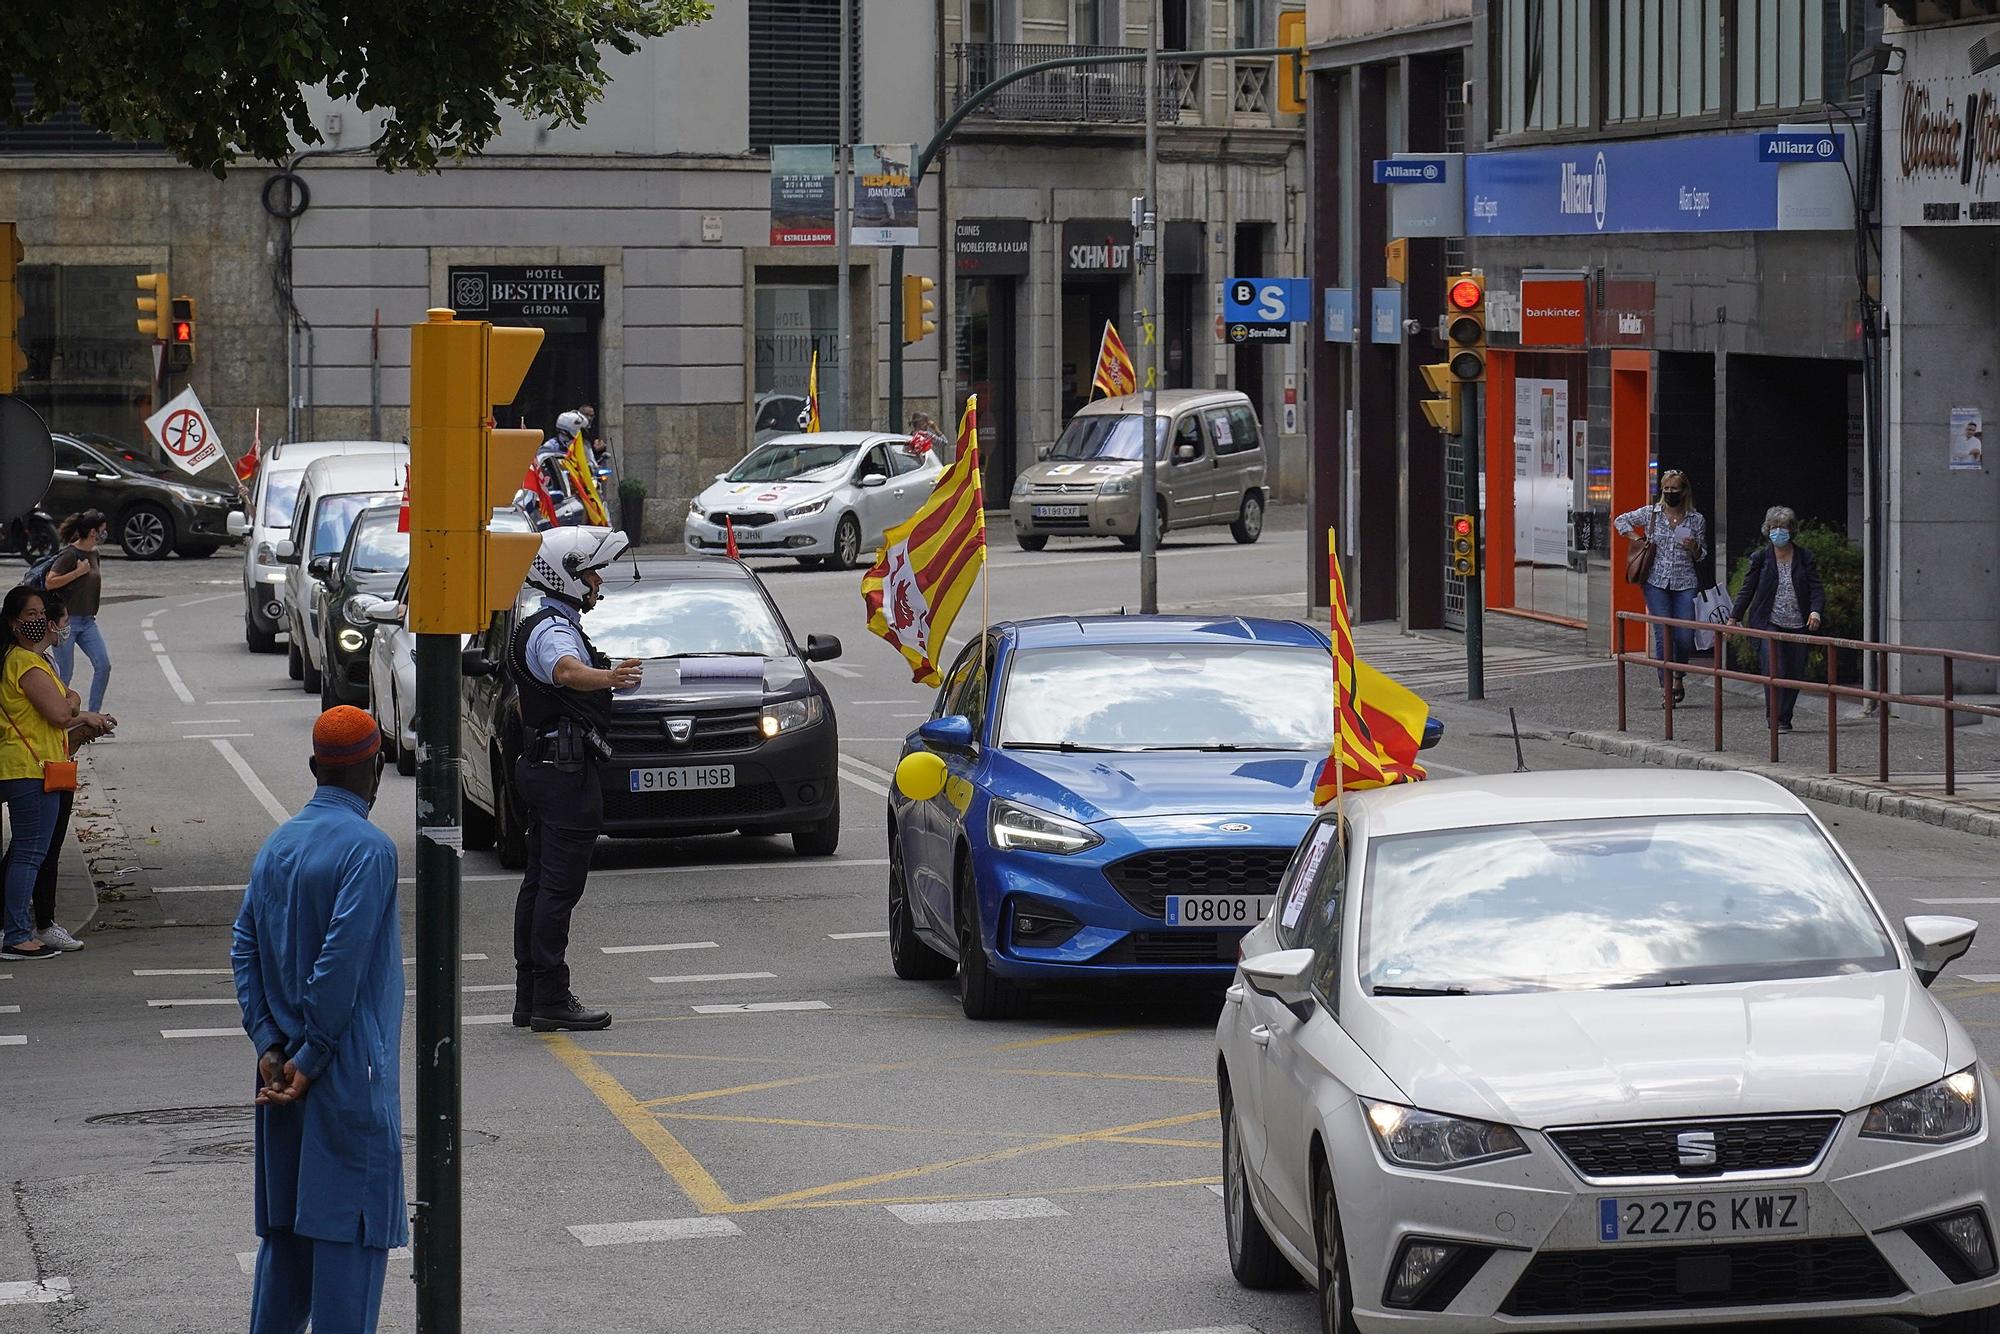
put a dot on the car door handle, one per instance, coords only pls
(1234, 995)
(1261, 1035)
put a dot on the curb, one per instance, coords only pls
(1818, 787)
(108, 854)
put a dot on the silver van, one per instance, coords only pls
(1209, 468)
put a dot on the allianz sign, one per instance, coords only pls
(1584, 194)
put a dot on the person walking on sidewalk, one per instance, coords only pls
(318, 958)
(76, 575)
(1679, 536)
(1781, 591)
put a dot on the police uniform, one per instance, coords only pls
(558, 778)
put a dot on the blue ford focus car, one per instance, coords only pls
(1120, 796)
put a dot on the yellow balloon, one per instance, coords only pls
(920, 776)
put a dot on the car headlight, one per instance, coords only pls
(189, 494)
(1013, 827)
(1122, 485)
(1934, 1114)
(810, 507)
(350, 640)
(1020, 486)
(1433, 1142)
(788, 715)
(696, 511)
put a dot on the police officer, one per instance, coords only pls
(564, 686)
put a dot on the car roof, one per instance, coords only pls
(301, 453)
(380, 471)
(1070, 631)
(1168, 401)
(690, 566)
(1570, 794)
(831, 438)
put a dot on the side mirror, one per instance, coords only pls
(89, 470)
(1936, 941)
(238, 524)
(1042, 453)
(820, 648)
(386, 613)
(287, 551)
(321, 568)
(1184, 453)
(722, 477)
(872, 479)
(472, 662)
(1281, 974)
(1433, 733)
(951, 732)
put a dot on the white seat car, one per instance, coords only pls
(1603, 1050)
(825, 499)
(270, 521)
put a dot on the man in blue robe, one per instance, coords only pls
(318, 957)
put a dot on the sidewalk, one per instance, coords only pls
(99, 866)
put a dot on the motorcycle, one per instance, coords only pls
(31, 536)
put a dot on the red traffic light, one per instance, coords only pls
(183, 331)
(1466, 294)
(1462, 526)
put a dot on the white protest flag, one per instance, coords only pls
(185, 433)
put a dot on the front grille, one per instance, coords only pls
(1146, 878)
(727, 803)
(1661, 1278)
(755, 519)
(1652, 1149)
(1161, 947)
(646, 733)
(1062, 488)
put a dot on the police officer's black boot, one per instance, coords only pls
(568, 1014)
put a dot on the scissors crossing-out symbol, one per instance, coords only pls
(185, 432)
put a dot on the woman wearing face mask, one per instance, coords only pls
(76, 575)
(1781, 591)
(1679, 535)
(36, 711)
(47, 929)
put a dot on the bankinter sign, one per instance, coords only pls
(1553, 312)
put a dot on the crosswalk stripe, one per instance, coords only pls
(977, 1211)
(656, 1229)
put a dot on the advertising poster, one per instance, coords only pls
(802, 202)
(1542, 445)
(885, 195)
(1968, 450)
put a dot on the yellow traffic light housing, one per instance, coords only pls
(462, 468)
(1465, 326)
(155, 307)
(13, 361)
(1463, 560)
(180, 334)
(1292, 69)
(917, 308)
(1446, 412)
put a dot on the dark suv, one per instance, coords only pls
(728, 730)
(154, 508)
(369, 566)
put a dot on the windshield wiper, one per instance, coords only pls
(1216, 746)
(1066, 747)
(709, 653)
(1384, 989)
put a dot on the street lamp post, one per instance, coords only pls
(1149, 349)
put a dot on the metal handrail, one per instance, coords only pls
(1833, 690)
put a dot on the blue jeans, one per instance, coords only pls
(1679, 604)
(32, 812)
(83, 632)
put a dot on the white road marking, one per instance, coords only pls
(176, 1004)
(152, 637)
(488, 1019)
(658, 949)
(247, 1260)
(216, 736)
(976, 1211)
(203, 722)
(13, 1039)
(657, 1229)
(857, 935)
(264, 796)
(1219, 1192)
(10, 1009)
(29, 1294)
(885, 701)
(867, 768)
(600, 873)
(1432, 766)
(181, 692)
(1212, 1329)
(761, 1007)
(909, 715)
(463, 958)
(486, 987)
(219, 597)
(1945, 903)
(182, 972)
(712, 977)
(848, 672)
(236, 1032)
(1979, 977)
(865, 784)
(291, 697)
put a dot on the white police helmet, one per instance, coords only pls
(569, 425)
(567, 554)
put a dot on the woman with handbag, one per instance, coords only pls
(35, 768)
(1662, 563)
(1781, 591)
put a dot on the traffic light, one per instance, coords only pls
(462, 468)
(12, 309)
(1291, 69)
(1463, 560)
(917, 308)
(180, 334)
(1465, 326)
(155, 308)
(1445, 411)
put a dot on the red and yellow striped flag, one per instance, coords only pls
(1115, 374)
(1378, 723)
(928, 565)
(583, 481)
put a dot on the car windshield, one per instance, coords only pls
(128, 457)
(1103, 436)
(281, 492)
(1207, 696)
(378, 547)
(655, 618)
(1583, 905)
(335, 519)
(783, 461)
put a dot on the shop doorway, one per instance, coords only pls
(563, 376)
(1252, 251)
(1087, 304)
(986, 343)
(1551, 470)
(1789, 423)
(566, 302)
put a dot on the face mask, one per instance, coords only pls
(1781, 537)
(34, 629)
(1672, 497)
(62, 635)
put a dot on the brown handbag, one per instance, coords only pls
(1639, 558)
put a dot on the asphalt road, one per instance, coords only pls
(854, 1155)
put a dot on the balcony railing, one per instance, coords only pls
(1103, 95)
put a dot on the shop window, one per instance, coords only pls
(88, 369)
(795, 72)
(797, 315)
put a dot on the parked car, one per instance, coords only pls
(269, 521)
(154, 509)
(1613, 1048)
(730, 729)
(344, 588)
(1210, 459)
(332, 495)
(826, 499)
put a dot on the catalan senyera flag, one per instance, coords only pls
(928, 565)
(809, 419)
(1115, 374)
(583, 481)
(246, 467)
(1378, 723)
(533, 481)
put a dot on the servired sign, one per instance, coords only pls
(1553, 312)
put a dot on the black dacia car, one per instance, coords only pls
(729, 729)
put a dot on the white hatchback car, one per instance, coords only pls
(1601, 1049)
(825, 499)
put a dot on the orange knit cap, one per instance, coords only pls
(345, 735)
